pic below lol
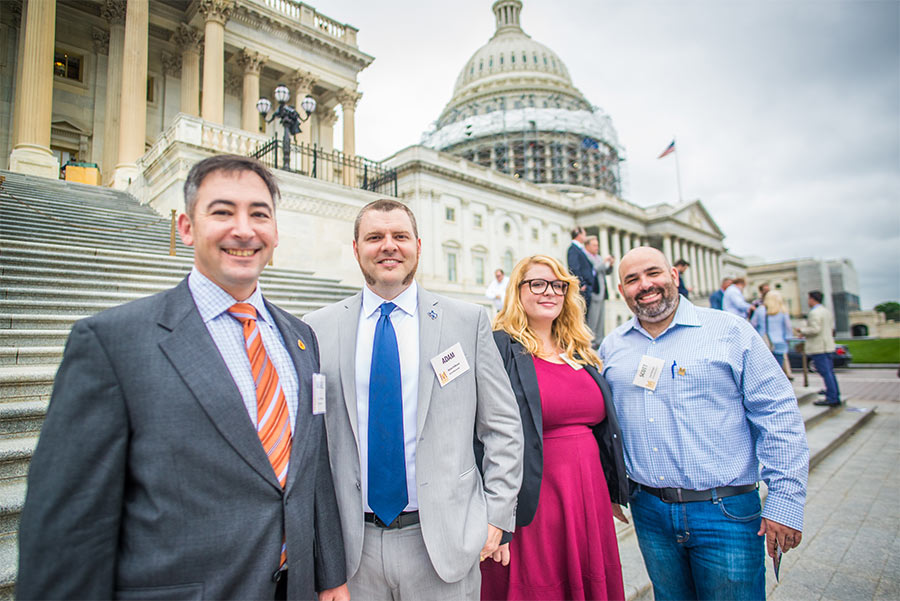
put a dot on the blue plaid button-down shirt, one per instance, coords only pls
(723, 412)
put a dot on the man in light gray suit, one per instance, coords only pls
(161, 473)
(410, 377)
(596, 317)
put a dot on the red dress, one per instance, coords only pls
(569, 550)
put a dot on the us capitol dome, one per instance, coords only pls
(515, 109)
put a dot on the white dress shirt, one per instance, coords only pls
(405, 319)
(496, 289)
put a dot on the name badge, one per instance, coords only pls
(648, 372)
(572, 364)
(318, 394)
(450, 364)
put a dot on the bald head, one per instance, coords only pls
(649, 284)
(642, 254)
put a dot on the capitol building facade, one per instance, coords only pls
(514, 161)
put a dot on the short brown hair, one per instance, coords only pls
(385, 205)
(227, 163)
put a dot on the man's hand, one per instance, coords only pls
(786, 536)
(340, 593)
(608, 260)
(619, 513)
(501, 555)
(492, 542)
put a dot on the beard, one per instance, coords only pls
(372, 281)
(659, 310)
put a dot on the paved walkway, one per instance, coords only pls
(851, 541)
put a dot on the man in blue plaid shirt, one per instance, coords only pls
(706, 412)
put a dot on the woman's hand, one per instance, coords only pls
(501, 555)
(619, 513)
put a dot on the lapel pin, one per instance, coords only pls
(681, 371)
(301, 345)
(432, 314)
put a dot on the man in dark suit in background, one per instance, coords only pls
(182, 457)
(582, 267)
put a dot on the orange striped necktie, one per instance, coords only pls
(273, 420)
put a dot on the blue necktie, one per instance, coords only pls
(387, 462)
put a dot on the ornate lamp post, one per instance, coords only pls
(290, 118)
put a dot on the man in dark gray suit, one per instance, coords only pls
(581, 266)
(157, 474)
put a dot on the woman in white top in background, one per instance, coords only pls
(772, 318)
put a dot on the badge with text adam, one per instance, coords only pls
(450, 364)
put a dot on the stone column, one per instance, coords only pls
(100, 39)
(711, 283)
(696, 277)
(17, 7)
(603, 238)
(114, 13)
(717, 267)
(617, 254)
(133, 106)
(216, 13)
(188, 41)
(327, 119)
(348, 100)
(302, 84)
(251, 62)
(34, 110)
(667, 247)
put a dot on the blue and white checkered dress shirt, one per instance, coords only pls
(228, 335)
(723, 412)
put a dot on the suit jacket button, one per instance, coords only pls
(358, 485)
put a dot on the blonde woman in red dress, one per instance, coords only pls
(574, 480)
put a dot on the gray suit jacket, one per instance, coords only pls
(149, 480)
(455, 505)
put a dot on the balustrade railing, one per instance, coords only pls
(332, 166)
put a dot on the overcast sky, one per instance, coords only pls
(786, 112)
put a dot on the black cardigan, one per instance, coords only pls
(520, 368)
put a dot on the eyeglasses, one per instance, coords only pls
(539, 286)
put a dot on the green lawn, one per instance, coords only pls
(881, 350)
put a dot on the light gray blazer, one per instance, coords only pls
(149, 480)
(455, 506)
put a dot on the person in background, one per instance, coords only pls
(763, 290)
(771, 319)
(820, 345)
(582, 267)
(733, 302)
(596, 317)
(682, 266)
(574, 471)
(716, 298)
(497, 289)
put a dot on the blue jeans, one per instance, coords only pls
(704, 549)
(825, 367)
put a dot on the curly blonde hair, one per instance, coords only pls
(569, 330)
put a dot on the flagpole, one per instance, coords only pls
(677, 170)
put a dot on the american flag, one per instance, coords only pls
(669, 150)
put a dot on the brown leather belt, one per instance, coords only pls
(684, 495)
(406, 518)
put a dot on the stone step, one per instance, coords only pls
(26, 382)
(22, 198)
(23, 252)
(21, 417)
(15, 454)
(158, 244)
(33, 338)
(36, 273)
(77, 218)
(30, 355)
(12, 499)
(9, 565)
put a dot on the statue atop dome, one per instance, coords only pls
(515, 109)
